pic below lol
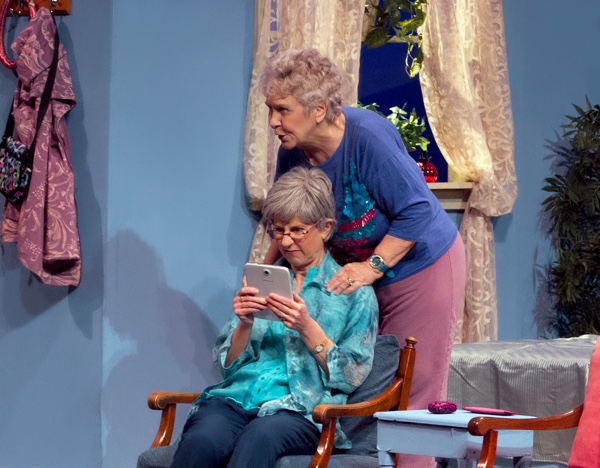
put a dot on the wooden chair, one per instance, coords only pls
(586, 446)
(386, 388)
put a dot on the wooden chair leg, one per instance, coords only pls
(488, 450)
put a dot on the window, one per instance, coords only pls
(383, 80)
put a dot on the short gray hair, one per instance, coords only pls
(309, 77)
(304, 193)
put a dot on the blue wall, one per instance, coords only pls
(178, 231)
(157, 139)
(551, 65)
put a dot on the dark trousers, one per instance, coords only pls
(223, 434)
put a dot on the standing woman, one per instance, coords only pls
(392, 232)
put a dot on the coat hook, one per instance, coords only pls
(21, 6)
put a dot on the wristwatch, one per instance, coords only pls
(321, 346)
(378, 263)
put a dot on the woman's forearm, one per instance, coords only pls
(392, 249)
(315, 336)
(239, 341)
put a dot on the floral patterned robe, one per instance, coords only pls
(44, 225)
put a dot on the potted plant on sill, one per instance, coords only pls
(573, 207)
(411, 128)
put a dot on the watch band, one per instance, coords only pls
(321, 346)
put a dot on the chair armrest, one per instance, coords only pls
(159, 400)
(327, 416)
(389, 398)
(480, 425)
(488, 428)
(395, 396)
(166, 402)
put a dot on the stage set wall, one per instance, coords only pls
(157, 140)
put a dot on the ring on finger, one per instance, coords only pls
(284, 318)
(350, 281)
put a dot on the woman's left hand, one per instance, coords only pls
(351, 277)
(292, 313)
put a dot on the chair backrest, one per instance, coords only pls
(586, 446)
(362, 431)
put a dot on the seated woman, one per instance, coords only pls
(276, 372)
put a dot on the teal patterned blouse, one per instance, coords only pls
(277, 371)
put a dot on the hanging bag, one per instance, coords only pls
(16, 159)
(16, 163)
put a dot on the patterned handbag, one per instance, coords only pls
(16, 162)
(16, 159)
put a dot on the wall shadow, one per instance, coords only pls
(154, 338)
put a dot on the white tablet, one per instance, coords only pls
(268, 279)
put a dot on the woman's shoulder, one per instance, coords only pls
(363, 117)
(356, 116)
(367, 127)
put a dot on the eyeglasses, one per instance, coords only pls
(297, 233)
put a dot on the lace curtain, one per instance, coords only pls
(334, 28)
(467, 98)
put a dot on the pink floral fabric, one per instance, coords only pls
(44, 226)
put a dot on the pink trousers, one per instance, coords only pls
(426, 306)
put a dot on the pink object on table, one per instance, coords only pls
(442, 407)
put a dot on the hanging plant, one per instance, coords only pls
(573, 207)
(397, 21)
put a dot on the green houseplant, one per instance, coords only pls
(409, 125)
(573, 208)
(396, 21)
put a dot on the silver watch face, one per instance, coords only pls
(376, 261)
(319, 348)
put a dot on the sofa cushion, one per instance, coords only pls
(159, 457)
(336, 461)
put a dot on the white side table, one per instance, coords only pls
(444, 436)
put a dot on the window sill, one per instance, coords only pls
(453, 196)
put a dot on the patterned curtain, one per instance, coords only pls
(334, 28)
(467, 98)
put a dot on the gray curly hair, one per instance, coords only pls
(309, 77)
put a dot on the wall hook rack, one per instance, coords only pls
(21, 8)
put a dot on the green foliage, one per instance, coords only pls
(573, 207)
(409, 125)
(403, 18)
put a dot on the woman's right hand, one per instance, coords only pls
(246, 303)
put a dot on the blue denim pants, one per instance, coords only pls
(223, 434)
